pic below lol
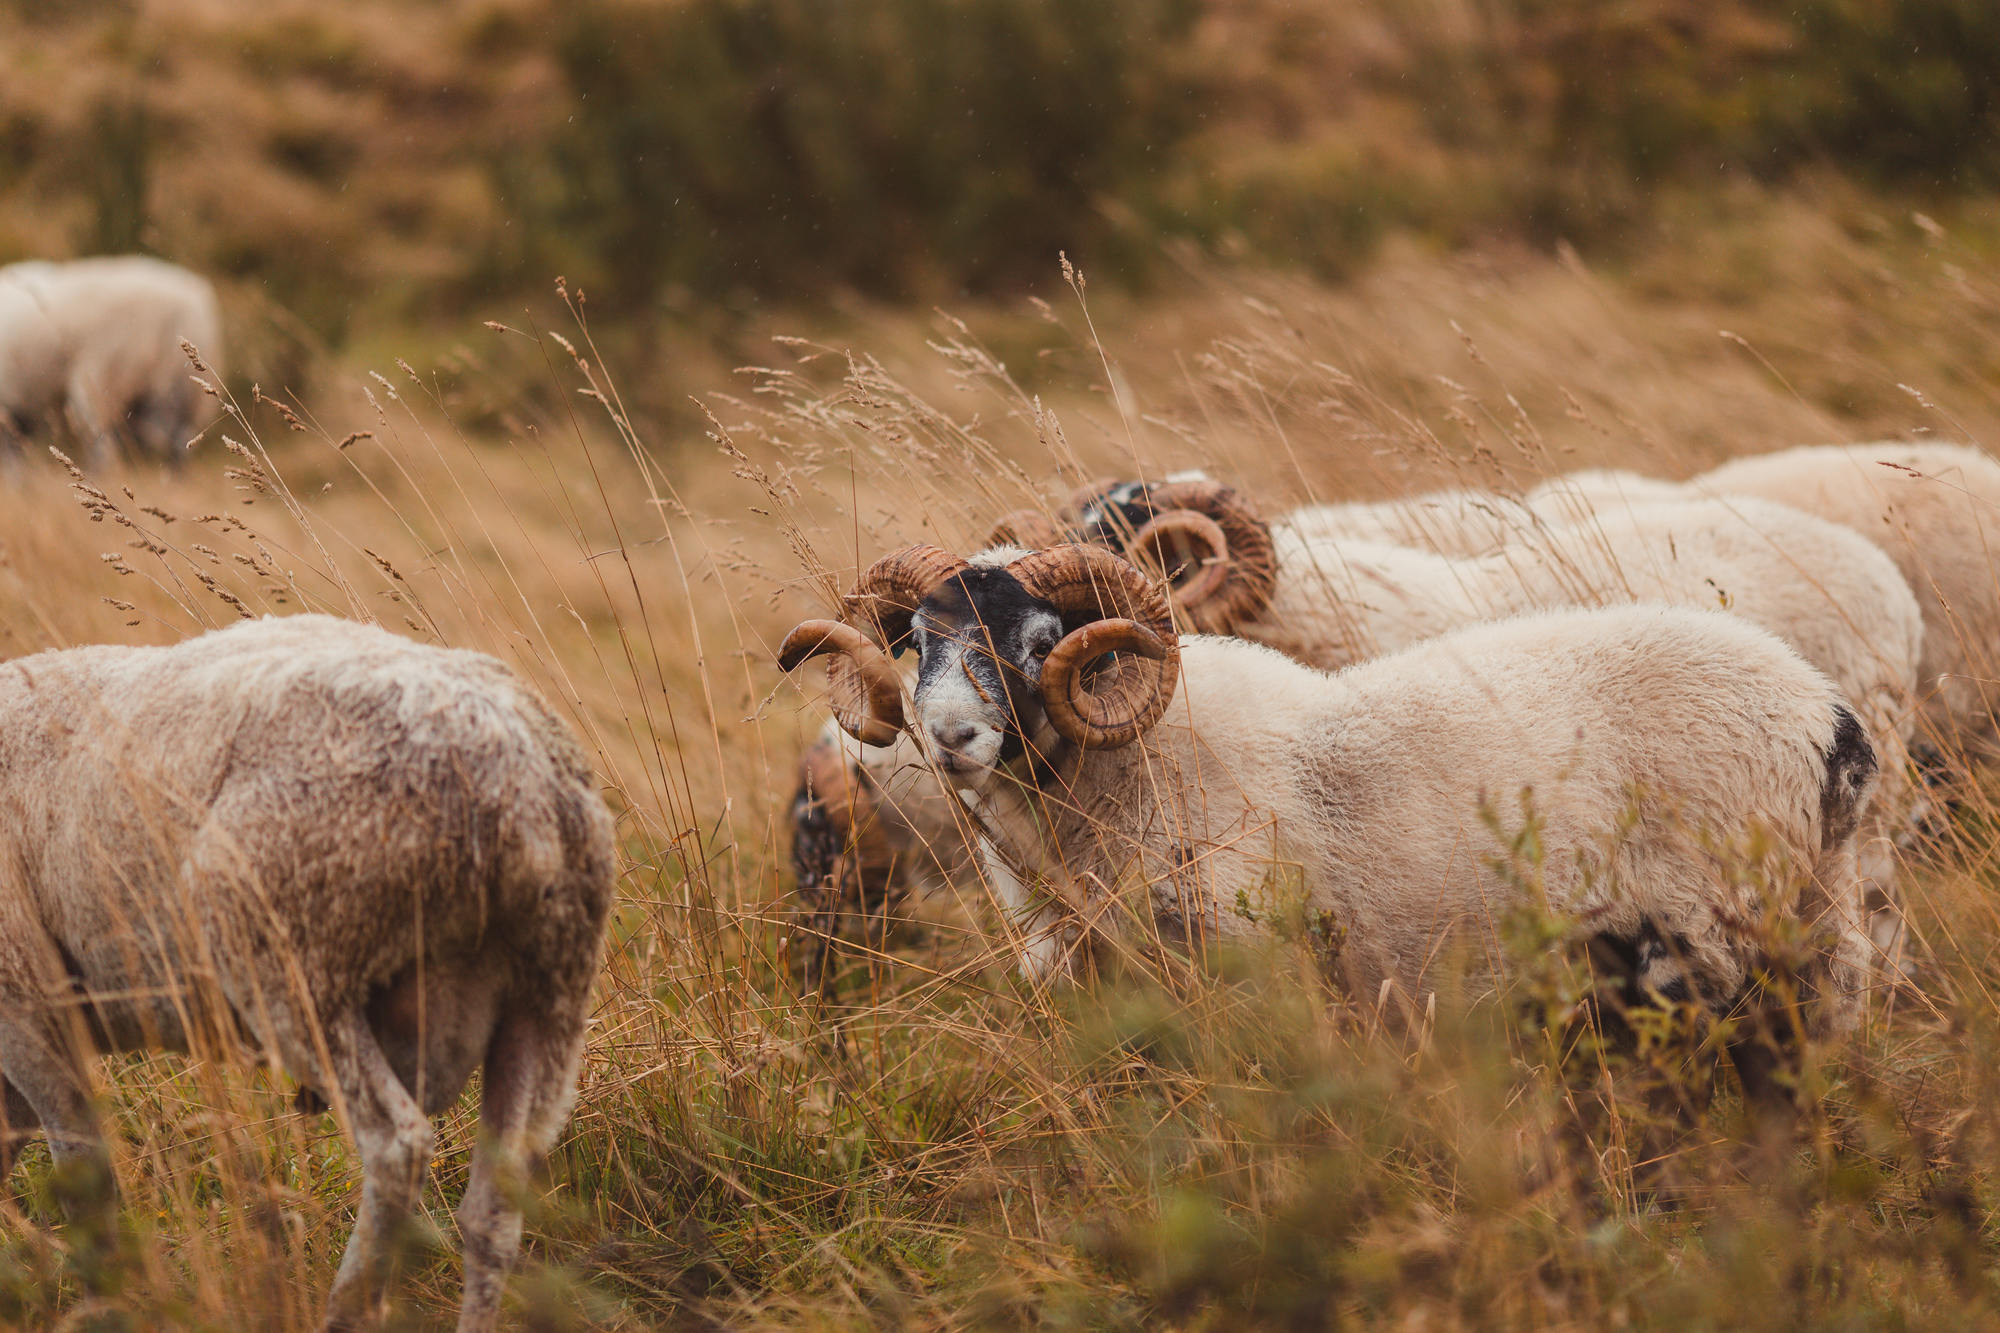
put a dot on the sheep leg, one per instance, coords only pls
(1043, 947)
(820, 928)
(160, 425)
(20, 1124)
(46, 1081)
(1768, 1067)
(55, 1093)
(92, 414)
(529, 1085)
(395, 1143)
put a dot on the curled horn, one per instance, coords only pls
(1194, 577)
(889, 591)
(1025, 527)
(1234, 580)
(864, 692)
(867, 698)
(1122, 612)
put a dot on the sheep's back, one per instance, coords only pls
(1935, 510)
(306, 787)
(1632, 734)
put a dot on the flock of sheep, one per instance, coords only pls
(378, 864)
(384, 865)
(1715, 699)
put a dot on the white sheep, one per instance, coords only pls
(1328, 602)
(1935, 509)
(100, 340)
(381, 864)
(1452, 522)
(1644, 736)
(1827, 591)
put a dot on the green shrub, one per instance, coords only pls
(775, 145)
(1591, 105)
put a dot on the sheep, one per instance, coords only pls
(1643, 734)
(379, 864)
(1450, 522)
(1828, 592)
(1935, 509)
(869, 825)
(1834, 596)
(100, 340)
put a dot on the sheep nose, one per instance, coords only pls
(953, 736)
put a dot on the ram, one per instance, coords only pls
(1646, 737)
(870, 825)
(99, 340)
(379, 864)
(1831, 594)
(1828, 592)
(1449, 522)
(1935, 509)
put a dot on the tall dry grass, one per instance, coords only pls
(1185, 1145)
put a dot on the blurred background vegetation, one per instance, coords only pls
(375, 165)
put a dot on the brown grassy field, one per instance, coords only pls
(1197, 1148)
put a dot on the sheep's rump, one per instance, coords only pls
(292, 810)
(1935, 509)
(1642, 741)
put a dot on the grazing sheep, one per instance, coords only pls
(869, 824)
(381, 864)
(1450, 522)
(1828, 592)
(100, 340)
(1646, 736)
(1935, 508)
(1835, 597)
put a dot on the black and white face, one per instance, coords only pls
(981, 640)
(1113, 517)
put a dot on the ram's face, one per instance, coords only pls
(981, 639)
(1112, 518)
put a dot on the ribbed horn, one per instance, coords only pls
(889, 591)
(867, 699)
(1121, 611)
(1245, 572)
(1187, 546)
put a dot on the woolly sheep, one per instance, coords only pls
(1451, 522)
(1328, 602)
(869, 825)
(1675, 726)
(382, 864)
(100, 340)
(1828, 592)
(1935, 509)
